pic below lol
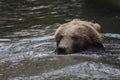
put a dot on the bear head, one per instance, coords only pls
(76, 36)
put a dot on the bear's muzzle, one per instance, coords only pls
(61, 50)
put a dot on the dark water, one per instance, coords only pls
(27, 45)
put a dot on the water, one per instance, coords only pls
(27, 44)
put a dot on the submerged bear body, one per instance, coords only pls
(76, 36)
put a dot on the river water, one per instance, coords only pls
(27, 44)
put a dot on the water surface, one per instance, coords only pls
(27, 44)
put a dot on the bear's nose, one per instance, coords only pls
(61, 50)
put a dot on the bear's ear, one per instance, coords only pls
(96, 26)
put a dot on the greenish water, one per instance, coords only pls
(27, 44)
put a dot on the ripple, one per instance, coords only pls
(39, 38)
(111, 35)
(5, 40)
(85, 70)
(25, 48)
(39, 7)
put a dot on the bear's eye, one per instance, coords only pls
(60, 37)
(75, 37)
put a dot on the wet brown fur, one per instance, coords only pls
(79, 34)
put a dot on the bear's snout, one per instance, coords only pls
(61, 50)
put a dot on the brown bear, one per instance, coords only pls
(76, 36)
